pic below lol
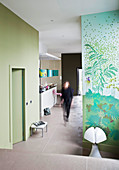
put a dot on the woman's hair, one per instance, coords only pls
(64, 84)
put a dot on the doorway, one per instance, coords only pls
(17, 105)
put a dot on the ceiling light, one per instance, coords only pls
(50, 56)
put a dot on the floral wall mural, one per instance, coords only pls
(100, 53)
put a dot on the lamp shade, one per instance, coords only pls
(95, 135)
(90, 135)
(99, 135)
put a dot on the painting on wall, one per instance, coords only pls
(42, 73)
(55, 72)
(100, 51)
(49, 73)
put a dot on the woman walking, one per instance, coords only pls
(67, 95)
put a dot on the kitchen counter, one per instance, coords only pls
(47, 99)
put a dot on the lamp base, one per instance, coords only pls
(95, 151)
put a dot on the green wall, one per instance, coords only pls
(18, 47)
(100, 53)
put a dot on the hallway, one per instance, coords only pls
(60, 138)
(65, 139)
(58, 149)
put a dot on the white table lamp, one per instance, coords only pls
(95, 136)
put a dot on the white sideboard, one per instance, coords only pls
(47, 99)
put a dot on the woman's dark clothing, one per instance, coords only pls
(67, 95)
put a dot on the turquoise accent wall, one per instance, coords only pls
(100, 54)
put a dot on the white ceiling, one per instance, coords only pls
(58, 21)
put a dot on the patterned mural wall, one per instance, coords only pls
(100, 53)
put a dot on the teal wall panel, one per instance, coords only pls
(49, 73)
(55, 72)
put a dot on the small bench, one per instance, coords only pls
(39, 127)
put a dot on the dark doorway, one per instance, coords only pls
(70, 63)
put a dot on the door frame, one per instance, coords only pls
(10, 103)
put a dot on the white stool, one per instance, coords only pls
(39, 127)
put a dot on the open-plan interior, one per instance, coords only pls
(59, 93)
